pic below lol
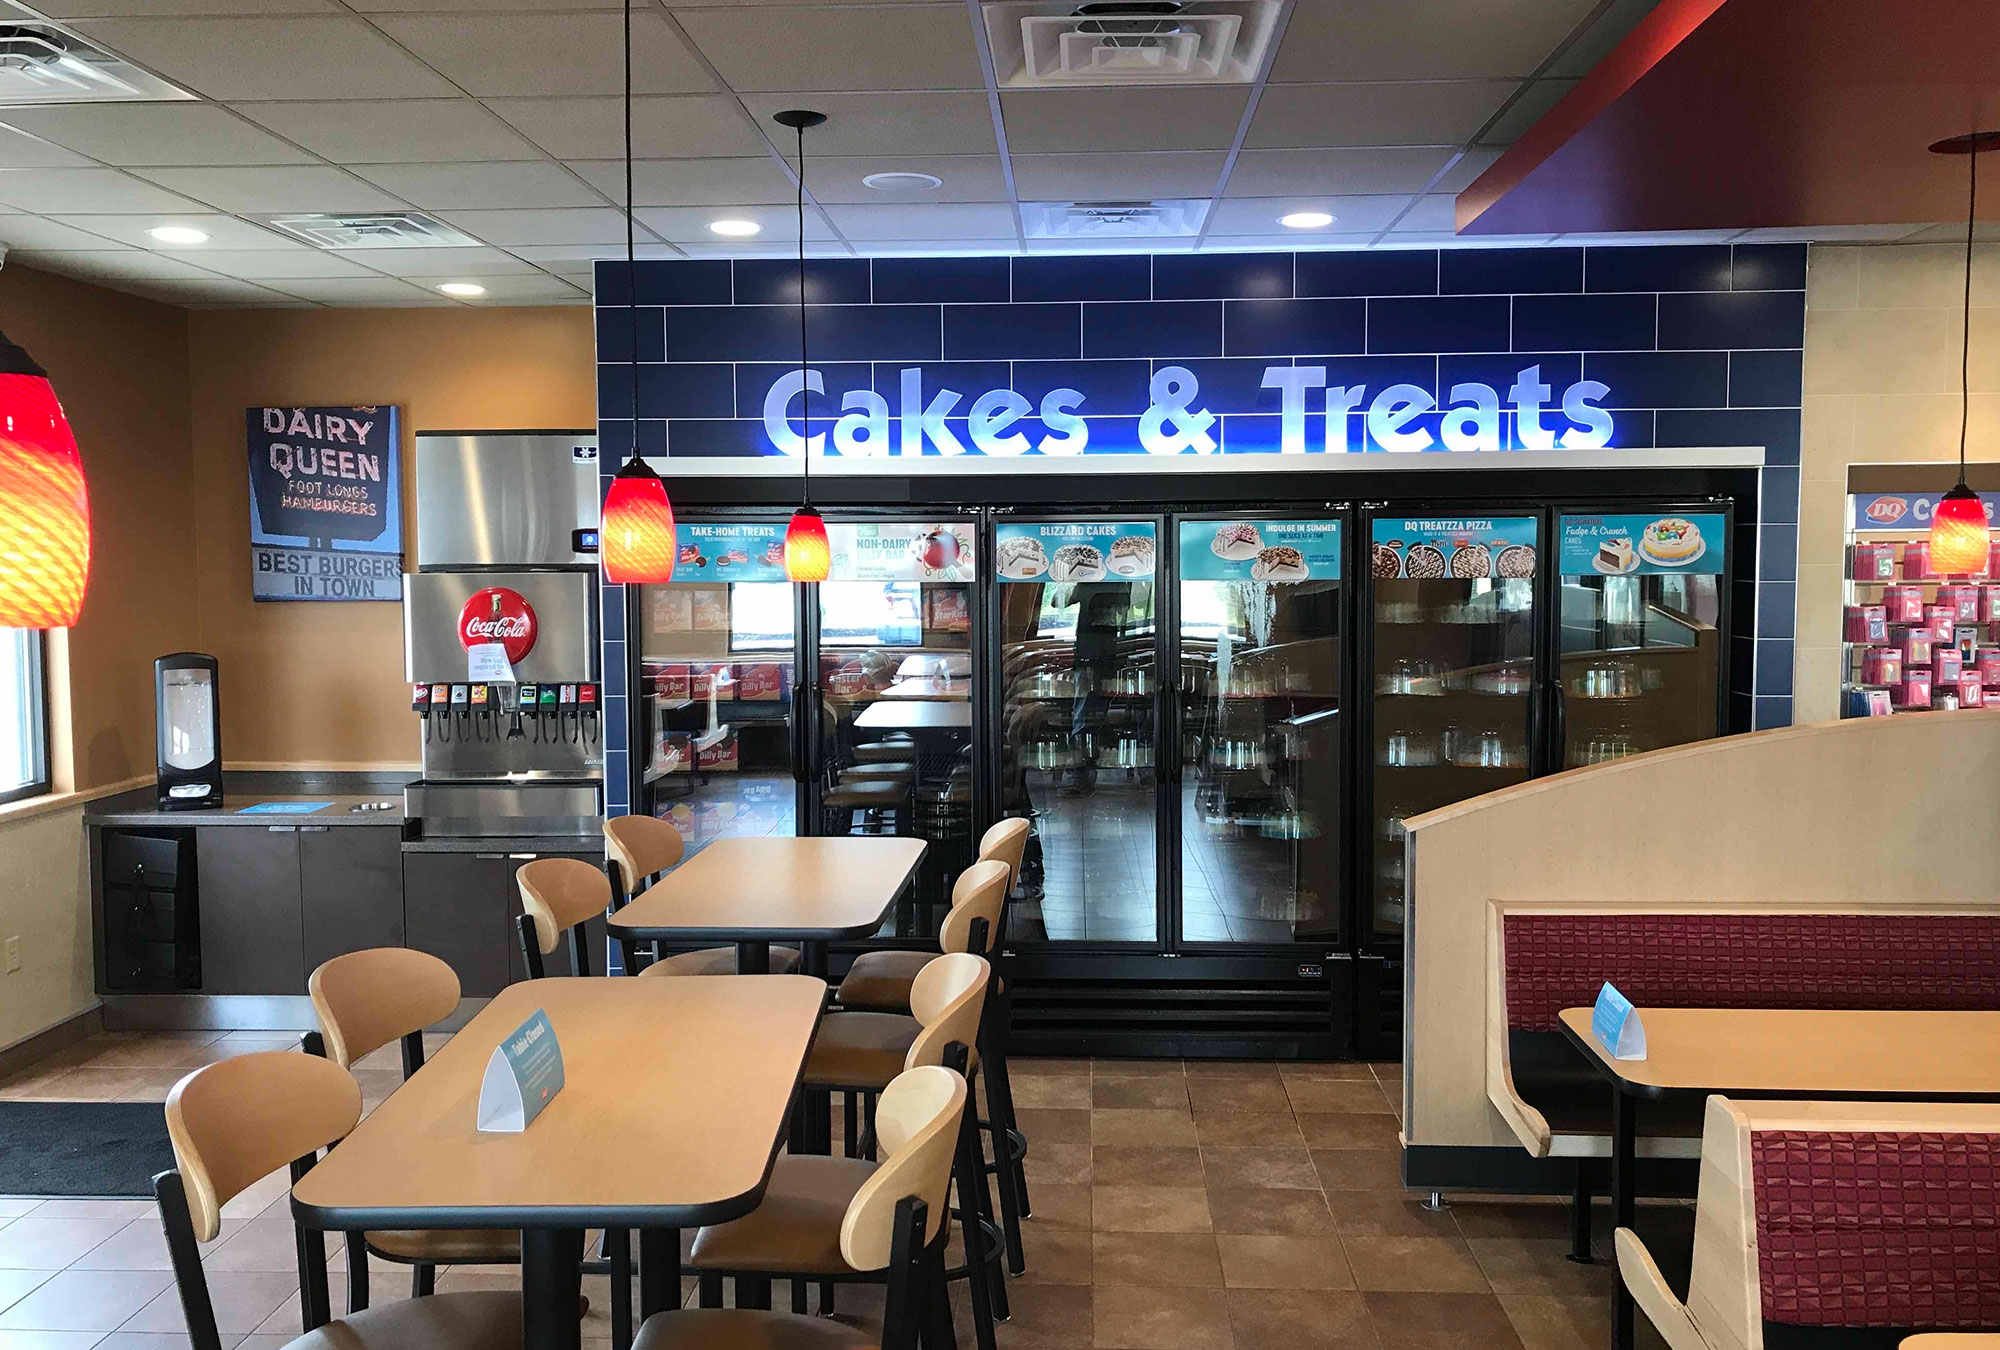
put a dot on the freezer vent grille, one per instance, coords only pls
(40, 63)
(394, 229)
(1113, 220)
(1059, 45)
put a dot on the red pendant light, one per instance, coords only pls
(1961, 543)
(808, 556)
(44, 507)
(635, 543)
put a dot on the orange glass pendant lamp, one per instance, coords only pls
(44, 506)
(1960, 541)
(808, 556)
(636, 540)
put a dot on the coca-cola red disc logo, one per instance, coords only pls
(500, 615)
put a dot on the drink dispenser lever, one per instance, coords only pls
(510, 701)
(482, 711)
(461, 710)
(420, 704)
(530, 696)
(565, 709)
(550, 720)
(587, 708)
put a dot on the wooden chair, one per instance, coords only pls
(363, 1001)
(238, 1120)
(637, 849)
(879, 981)
(1834, 1224)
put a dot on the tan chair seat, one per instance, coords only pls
(881, 980)
(488, 1320)
(886, 770)
(867, 792)
(471, 1246)
(720, 961)
(736, 1329)
(860, 1049)
(890, 751)
(796, 1227)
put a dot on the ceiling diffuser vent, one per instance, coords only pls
(1065, 44)
(1112, 220)
(381, 229)
(40, 63)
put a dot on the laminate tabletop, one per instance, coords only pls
(916, 714)
(1806, 1052)
(764, 889)
(674, 1099)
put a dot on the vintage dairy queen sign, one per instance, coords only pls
(326, 515)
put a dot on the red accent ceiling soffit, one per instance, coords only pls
(1734, 114)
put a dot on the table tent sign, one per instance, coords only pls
(1075, 551)
(1645, 545)
(326, 503)
(1615, 1023)
(1271, 551)
(523, 1076)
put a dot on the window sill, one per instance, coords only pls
(49, 802)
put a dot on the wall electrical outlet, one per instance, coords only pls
(13, 954)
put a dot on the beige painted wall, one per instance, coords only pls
(322, 683)
(1881, 385)
(45, 902)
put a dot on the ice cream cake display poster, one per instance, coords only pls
(1095, 550)
(1453, 548)
(1278, 551)
(1616, 546)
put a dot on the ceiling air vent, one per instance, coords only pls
(1112, 220)
(40, 63)
(1037, 44)
(381, 229)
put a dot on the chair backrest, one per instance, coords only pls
(560, 893)
(947, 997)
(916, 1124)
(366, 999)
(238, 1120)
(642, 845)
(1007, 840)
(979, 893)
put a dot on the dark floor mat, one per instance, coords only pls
(83, 1148)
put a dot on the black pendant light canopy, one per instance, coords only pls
(1960, 539)
(808, 555)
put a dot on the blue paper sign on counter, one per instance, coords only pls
(1615, 1023)
(1456, 548)
(1617, 546)
(1075, 550)
(282, 808)
(524, 1075)
(1260, 550)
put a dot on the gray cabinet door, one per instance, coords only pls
(351, 878)
(460, 907)
(251, 941)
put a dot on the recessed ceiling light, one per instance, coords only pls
(467, 288)
(178, 234)
(1306, 220)
(902, 181)
(735, 229)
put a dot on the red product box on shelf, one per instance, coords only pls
(711, 677)
(1875, 562)
(759, 681)
(1989, 603)
(1867, 623)
(1917, 560)
(1915, 690)
(1940, 620)
(1876, 701)
(1989, 665)
(1916, 645)
(722, 757)
(1947, 664)
(1964, 601)
(672, 681)
(1971, 693)
(1904, 603)
(1881, 665)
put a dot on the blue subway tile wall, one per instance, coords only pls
(1698, 346)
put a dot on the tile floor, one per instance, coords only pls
(1197, 1206)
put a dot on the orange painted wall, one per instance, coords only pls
(120, 366)
(322, 683)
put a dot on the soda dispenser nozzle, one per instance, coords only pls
(564, 709)
(550, 720)
(482, 711)
(461, 709)
(510, 702)
(586, 698)
(420, 704)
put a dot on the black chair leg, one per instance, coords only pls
(979, 1271)
(993, 1252)
(852, 1120)
(711, 1289)
(826, 1298)
(423, 1280)
(357, 1273)
(1000, 1099)
(799, 1297)
(618, 1251)
(753, 1291)
(938, 1332)
(1579, 1219)
(1013, 1192)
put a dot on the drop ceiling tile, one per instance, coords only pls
(889, 123)
(1123, 119)
(429, 6)
(434, 262)
(155, 133)
(101, 9)
(1597, 41)
(1443, 113)
(25, 152)
(1470, 165)
(1277, 173)
(125, 264)
(740, 249)
(1304, 241)
(691, 182)
(1089, 248)
(395, 131)
(276, 189)
(939, 221)
(573, 225)
(1434, 213)
(1259, 215)
(662, 128)
(518, 289)
(1103, 177)
(245, 58)
(974, 248)
(25, 233)
(565, 257)
(224, 232)
(534, 183)
(1537, 97)
(866, 47)
(1422, 39)
(500, 55)
(967, 178)
(57, 191)
(214, 294)
(254, 264)
(690, 224)
(359, 291)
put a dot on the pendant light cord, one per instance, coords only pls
(631, 250)
(805, 375)
(1965, 345)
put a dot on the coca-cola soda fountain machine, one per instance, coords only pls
(500, 637)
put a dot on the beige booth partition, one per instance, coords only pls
(1873, 814)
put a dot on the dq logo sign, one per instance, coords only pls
(1175, 424)
(1887, 510)
(498, 614)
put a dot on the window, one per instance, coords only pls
(24, 737)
